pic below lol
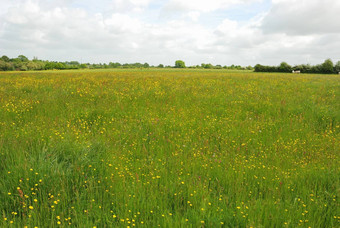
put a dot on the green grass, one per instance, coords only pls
(169, 148)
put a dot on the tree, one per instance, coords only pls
(23, 58)
(327, 67)
(207, 66)
(49, 65)
(113, 65)
(5, 58)
(3, 65)
(260, 68)
(317, 69)
(146, 65)
(31, 65)
(337, 67)
(179, 64)
(73, 63)
(285, 67)
(83, 66)
(60, 66)
(23, 67)
(160, 66)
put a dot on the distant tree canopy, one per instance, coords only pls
(179, 64)
(22, 58)
(232, 67)
(285, 67)
(5, 58)
(325, 68)
(337, 66)
(22, 63)
(207, 66)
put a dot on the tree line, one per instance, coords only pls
(326, 67)
(181, 64)
(22, 63)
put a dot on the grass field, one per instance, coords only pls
(169, 148)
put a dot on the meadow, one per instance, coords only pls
(169, 148)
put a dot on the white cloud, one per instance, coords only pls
(70, 30)
(203, 5)
(119, 23)
(194, 15)
(129, 5)
(302, 17)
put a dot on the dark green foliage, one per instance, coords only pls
(207, 66)
(261, 68)
(4, 66)
(82, 66)
(285, 67)
(114, 65)
(337, 67)
(23, 58)
(22, 63)
(179, 64)
(325, 68)
(5, 58)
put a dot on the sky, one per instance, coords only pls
(224, 32)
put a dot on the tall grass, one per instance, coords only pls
(169, 148)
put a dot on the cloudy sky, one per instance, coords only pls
(225, 32)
